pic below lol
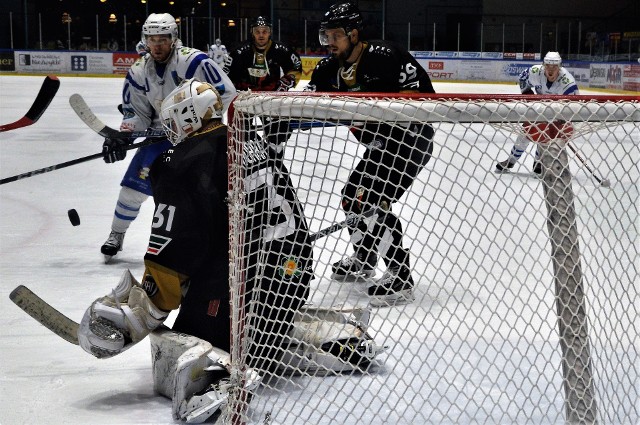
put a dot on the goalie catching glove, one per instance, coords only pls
(115, 322)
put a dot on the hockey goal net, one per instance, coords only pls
(526, 302)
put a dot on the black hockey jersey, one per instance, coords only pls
(249, 68)
(189, 243)
(189, 234)
(382, 67)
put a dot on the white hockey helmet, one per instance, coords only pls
(552, 58)
(218, 42)
(160, 24)
(188, 107)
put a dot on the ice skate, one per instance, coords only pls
(537, 167)
(112, 245)
(360, 265)
(395, 287)
(504, 166)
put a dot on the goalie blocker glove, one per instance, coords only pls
(113, 149)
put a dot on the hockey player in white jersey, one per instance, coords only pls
(218, 52)
(546, 78)
(149, 80)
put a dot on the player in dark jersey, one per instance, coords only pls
(394, 157)
(187, 260)
(190, 187)
(262, 64)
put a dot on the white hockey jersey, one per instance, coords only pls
(147, 84)
(534, 78)
(218, 53)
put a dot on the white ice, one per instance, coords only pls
(43, 379)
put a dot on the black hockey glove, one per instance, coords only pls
(114, 149)
(286, 83)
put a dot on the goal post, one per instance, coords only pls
(526, 300)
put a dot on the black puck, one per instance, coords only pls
(74, 218)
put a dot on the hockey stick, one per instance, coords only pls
(44, 313)
(67, 329)
(603, 182)
(72, 162)
(87, 116)
(46, 94)
(351, 221)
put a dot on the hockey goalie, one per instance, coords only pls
(187, 267)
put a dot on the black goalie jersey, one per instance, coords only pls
(187, 261)
(249, 68)
(382, 67)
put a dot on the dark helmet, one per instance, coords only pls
(260, 21)
(342, 15)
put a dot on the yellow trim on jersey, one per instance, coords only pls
(169, 284)
(210, 126)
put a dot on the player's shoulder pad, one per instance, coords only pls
(382, 48)
(326, 62)
(142, 60)
(243, 48)
(185, 52)
(537, 69)
(279, 46)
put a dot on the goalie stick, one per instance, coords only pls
(44, 313)
(46, 94)
(70, 163)
(67, 329)
(87, 116)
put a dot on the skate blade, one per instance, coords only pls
(353, 277)
(391, 300)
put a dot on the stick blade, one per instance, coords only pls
(46, 94)
(84, 112)
(44, 313)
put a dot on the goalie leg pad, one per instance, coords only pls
(204, 404)
(166, 348)
(325, 340)
(193, 373)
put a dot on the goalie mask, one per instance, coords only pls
(188, 108)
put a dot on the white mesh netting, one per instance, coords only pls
(525, 291)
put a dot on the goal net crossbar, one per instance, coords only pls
(442, 108)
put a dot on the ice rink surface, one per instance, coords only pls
(43, 379)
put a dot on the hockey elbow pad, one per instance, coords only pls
(115, 322)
